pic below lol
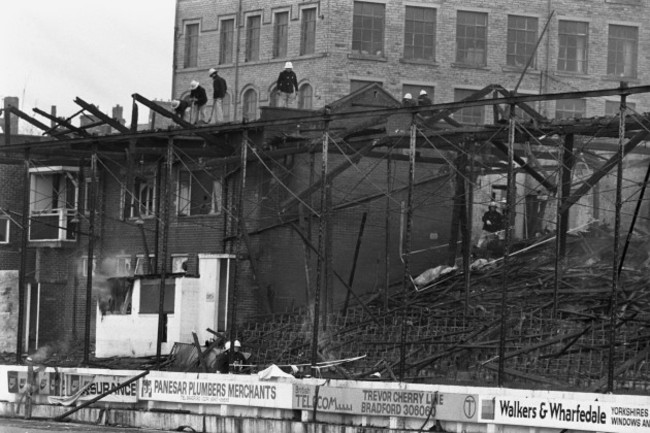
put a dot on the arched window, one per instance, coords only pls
(249, 110)
(305, 97)
(225, 104)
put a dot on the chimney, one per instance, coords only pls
(13, 120)
(53, 113)
(118, 114)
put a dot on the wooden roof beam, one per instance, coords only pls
(62, 122)
(101, 116)
(29, 119)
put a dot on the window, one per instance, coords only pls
(471, 115)
(305, 97)
(280, 35)
(86, 195)
(573, 47)
(191, 45)
(368, 28)
(622, 51)
(522, 38)
(141, 202)
(613, 108)
(308, 32)
(225, 105)
(253, 38)
(54, 197)
(414, 90)
(179, 263)
(143, 266)
(570, 108)
(199, 193)
(227, 37)
(360, 84)
(250, 105)
(471, 38)
(84, 266)
(4, 230)
(123, 266)
(150, 297)
(420, 33)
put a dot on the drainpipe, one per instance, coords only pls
(174, 48)
(236, 94)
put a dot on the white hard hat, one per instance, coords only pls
(194, 84)
(237, 343)
(212, 71)
(408, 96)
(492, 204)
(423, 92)
(176, 103)
(288, 65)
(227, 345)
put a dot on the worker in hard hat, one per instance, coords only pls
(219, 88)
(287, 85)
(407, 100)
(238, 359)
(492, 225)
(423, 98)
(179, 107)
(199, 98)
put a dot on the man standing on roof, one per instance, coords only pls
(287, 85)
(219, 88)
(407, 100)
(199, 98)
(179, 107)
(424, 100)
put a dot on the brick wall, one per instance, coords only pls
(332, 67)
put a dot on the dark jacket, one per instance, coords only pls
(199, 95)
(238, 359)
(424, 100)
(181, 108)
(287, 81)
(492, 221)
(219, 87)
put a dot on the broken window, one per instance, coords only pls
(305, 97)
(470, 115)
(368, 28)
(141, 202)
(573, 40)
(308, 32)
(227, 37)
(191, 45)
(199, 193)
(420, 33)
(123, 266)
(4, 230)
(179, 263)
(54, 196)
(471, 38)
(144, 266)
(622, 51)
(253, 25)
(115, 296)
(250, 105)
(280, 35)
(570, 108)
(522, 38)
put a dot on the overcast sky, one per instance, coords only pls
(99, 50)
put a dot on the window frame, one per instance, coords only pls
(613, 54)
(469, 42)
(515, 47)
(226, 41)
(246, 109)
(253, 33)
(570, 112)
(132, 200)
(570, 41)
(185, 194)
(409, 49)
(302, 97)
(191, 49)
(308, 31)
(371, 39)
(280, 34)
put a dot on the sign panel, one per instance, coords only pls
(387, 402)
(584, 415)
(213, 389)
